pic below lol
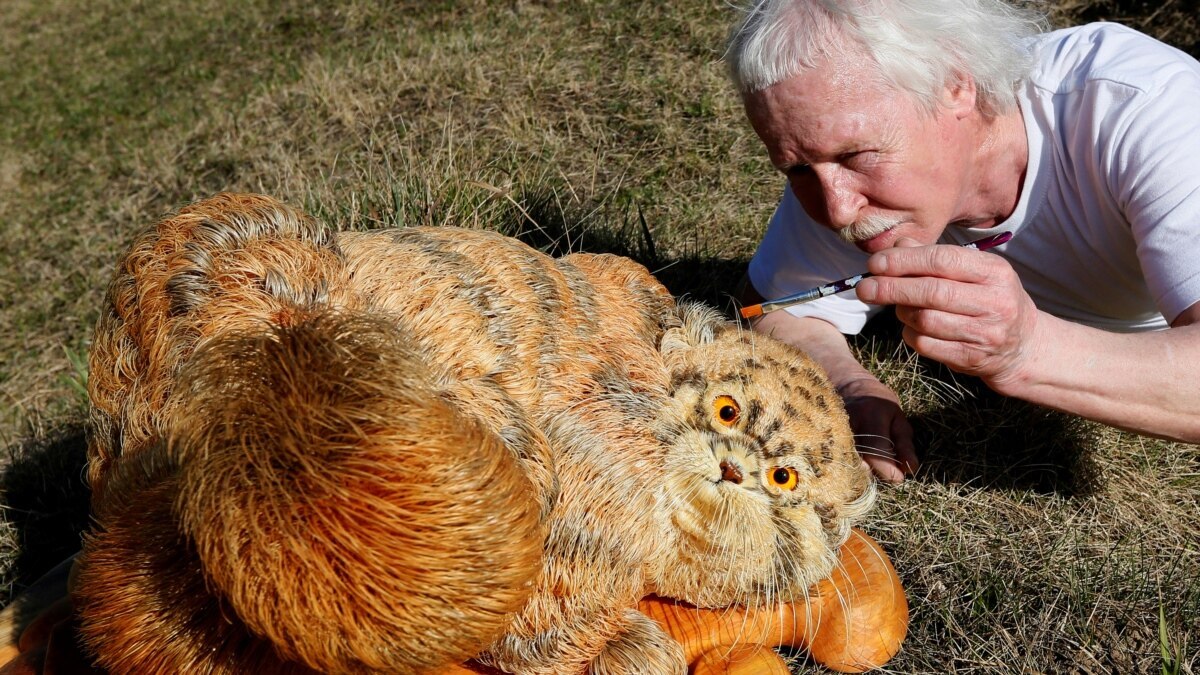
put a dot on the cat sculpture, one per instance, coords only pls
(391, 451)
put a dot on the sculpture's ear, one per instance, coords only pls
(698, 325)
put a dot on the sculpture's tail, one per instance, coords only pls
(313, 500)
(318, 502)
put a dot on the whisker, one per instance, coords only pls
(875, 453)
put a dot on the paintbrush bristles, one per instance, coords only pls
(751, 312)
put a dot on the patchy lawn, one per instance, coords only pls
(1030, 542)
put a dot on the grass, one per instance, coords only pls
(1031, 542)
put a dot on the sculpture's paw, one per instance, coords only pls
(642, 647)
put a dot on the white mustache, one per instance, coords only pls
(867, 227)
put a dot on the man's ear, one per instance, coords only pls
(959, 94)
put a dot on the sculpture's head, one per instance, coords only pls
(764, 480)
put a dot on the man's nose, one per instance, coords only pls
(833, 201)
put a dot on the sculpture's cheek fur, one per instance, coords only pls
(740, 539)
(382, 451)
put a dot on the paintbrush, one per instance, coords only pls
(849, 282)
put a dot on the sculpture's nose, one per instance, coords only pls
(731, 472)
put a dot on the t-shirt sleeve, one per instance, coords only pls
(1156, 180)
(797, 254)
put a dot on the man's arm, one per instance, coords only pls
(882, 432)
(1146, 382)
(968, 310)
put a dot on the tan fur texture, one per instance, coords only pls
(384, 452)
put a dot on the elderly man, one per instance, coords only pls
(903, 127)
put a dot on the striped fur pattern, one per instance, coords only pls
(390, 451)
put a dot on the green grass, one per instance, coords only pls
(1031, 541)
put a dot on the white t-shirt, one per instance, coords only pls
(1107, 227)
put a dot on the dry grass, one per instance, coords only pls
(1032, 542)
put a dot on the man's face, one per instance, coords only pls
(863, 159)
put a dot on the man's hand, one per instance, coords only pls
(961, 307)
(881, 431)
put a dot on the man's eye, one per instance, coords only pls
(799, 170)
(857, 159)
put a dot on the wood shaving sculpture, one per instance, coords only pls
(397, 451)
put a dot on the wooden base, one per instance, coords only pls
(26, 622)
(854, 621)
(37, 630)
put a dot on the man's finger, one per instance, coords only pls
(885, 468)
(944, 325)
(950, 296)
(947, 262)
(879, 452)
(906, 454)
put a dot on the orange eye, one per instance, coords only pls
(784, 478)
(727, 410)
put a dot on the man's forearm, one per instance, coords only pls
(824, 343)
(1144, 382)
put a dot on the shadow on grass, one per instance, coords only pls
(46, 502)
(545, 225)
(994, 442)
(978, 437)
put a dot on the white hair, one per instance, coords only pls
(918, 46)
